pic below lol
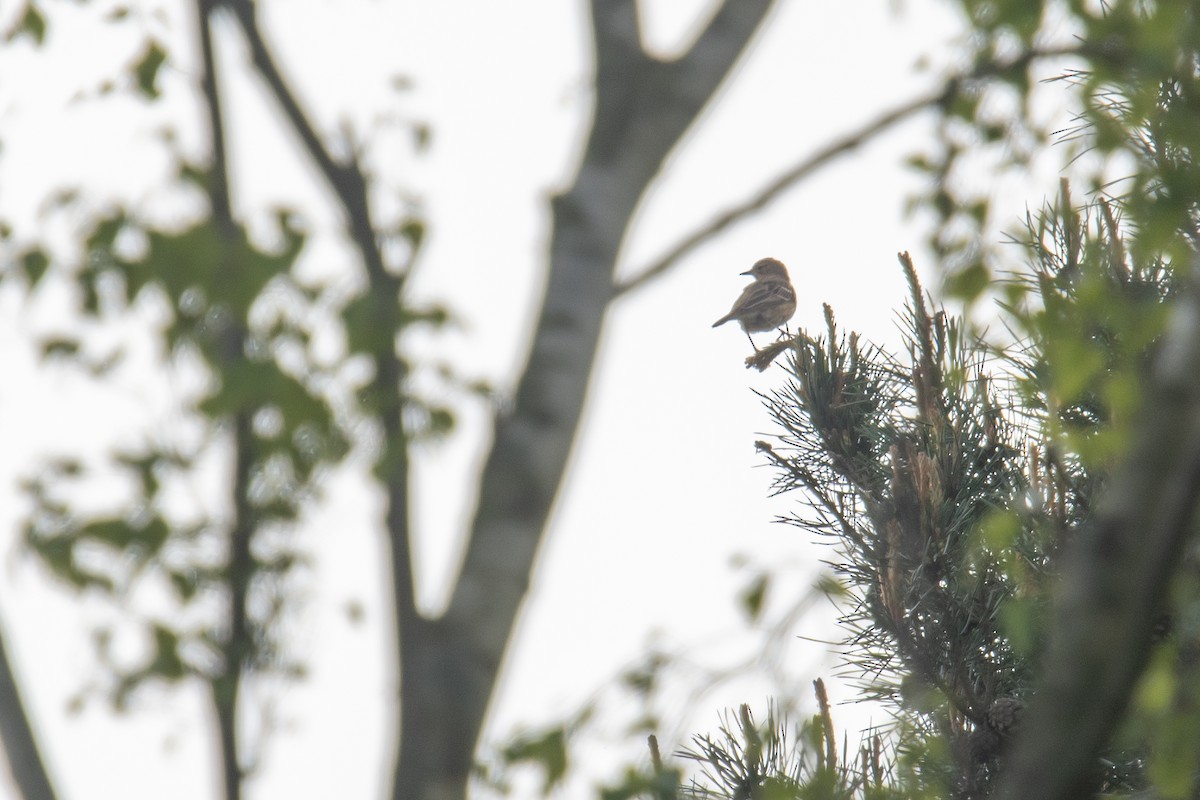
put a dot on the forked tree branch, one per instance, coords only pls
(643, 106)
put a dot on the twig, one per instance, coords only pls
(346, 180)
(765, 357)
(814, 486)
(655, 755)
(826, 724)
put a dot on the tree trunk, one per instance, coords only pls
(24, 760)
(449, 667)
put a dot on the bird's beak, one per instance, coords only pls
(747, 272)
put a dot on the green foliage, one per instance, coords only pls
(636, 785)
(950, 475)
(754, 595)
(953, 478)
(904, 460)
(1095, 316)
(547, 749)
(34, 262)
(146, 70)
(240, 327)
(951, 481)
(31, 23)
(772, 761)
(1132, 82)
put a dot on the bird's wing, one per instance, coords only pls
(763, 295)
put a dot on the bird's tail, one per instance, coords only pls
(722, 320)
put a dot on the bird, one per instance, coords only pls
(767, 303)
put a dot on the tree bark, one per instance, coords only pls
(643, 106)
(225, 687)
(24, 759)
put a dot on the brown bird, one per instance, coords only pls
(767, 303)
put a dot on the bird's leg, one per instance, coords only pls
(752, 344)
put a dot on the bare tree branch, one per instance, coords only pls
(346, 180)
(767, 194)
(1115, 581)
(617, 36)
(810, 164)
(225, 687)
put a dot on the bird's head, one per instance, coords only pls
(767, 267)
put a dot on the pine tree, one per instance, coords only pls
(949, 480)
(948, 485)
(968, 483)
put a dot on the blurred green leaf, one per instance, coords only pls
(31, 24)
(35, 263)
(59, 347)
(67, 466)
(147, 68)
(1021, 622)
(636, 785)
(143, 465)
(969, 283)
(422, 136)
(1156, 691)
(441, 422)
(413, 231)
(999, 530)
(185, 582)
(57, 552)
(547, 750)
(1173, 761)
(1076, 365)
(166, 664)
(114, 532)
(752, 597)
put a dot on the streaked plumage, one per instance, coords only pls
(766, 304)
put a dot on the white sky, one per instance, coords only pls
(665, 487)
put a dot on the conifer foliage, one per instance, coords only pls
(950, 479)
(902, 460)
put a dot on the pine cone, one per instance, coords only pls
(1004, 717)
(982, 746)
